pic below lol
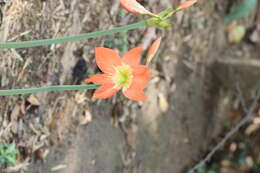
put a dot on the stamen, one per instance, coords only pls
(123, 76)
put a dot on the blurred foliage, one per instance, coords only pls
(256, 167)
(238, 155)
(120, 42)
(241, 11)
(7, 154)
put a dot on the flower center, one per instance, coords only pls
(123, 76)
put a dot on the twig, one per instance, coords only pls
(232, 132)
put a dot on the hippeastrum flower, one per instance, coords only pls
(152, 50)
(120, 73)
(133, 6)
(186, 4)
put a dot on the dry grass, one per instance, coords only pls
(34, 122)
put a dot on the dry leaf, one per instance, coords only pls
(255, 36)
(236, 33)
(164, 105)
(40, 154)
(80, 97)
(87, 118)
(58, 167)
(33, 99)
(256, 120)
(233, 147)
(251, 128)
(131, 136)
(15, 112)
(249, 161)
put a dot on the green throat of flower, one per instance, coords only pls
(123, 77)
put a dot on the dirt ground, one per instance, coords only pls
(70, 132)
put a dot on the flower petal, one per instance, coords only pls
(135, 94)
(135, 91)
(133, 6)
(141, 70)
(105, 91)
(133, 56)
(153, 49)
(107, 59)
(99, 79)
(186, 4)
(139, 81)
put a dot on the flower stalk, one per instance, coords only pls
(47, 89)
(34, 43)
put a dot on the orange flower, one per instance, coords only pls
(186, 4)
(120, 73)
(133, 6)
(153, 49)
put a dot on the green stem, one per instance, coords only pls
(47, 89)
(71, 38)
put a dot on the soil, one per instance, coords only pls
(188, 102)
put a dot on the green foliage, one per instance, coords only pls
(256, 167)
(7, 154)
(241, 11)
(122, 12)
(240, 156)
(120, 42)
(209, 168)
